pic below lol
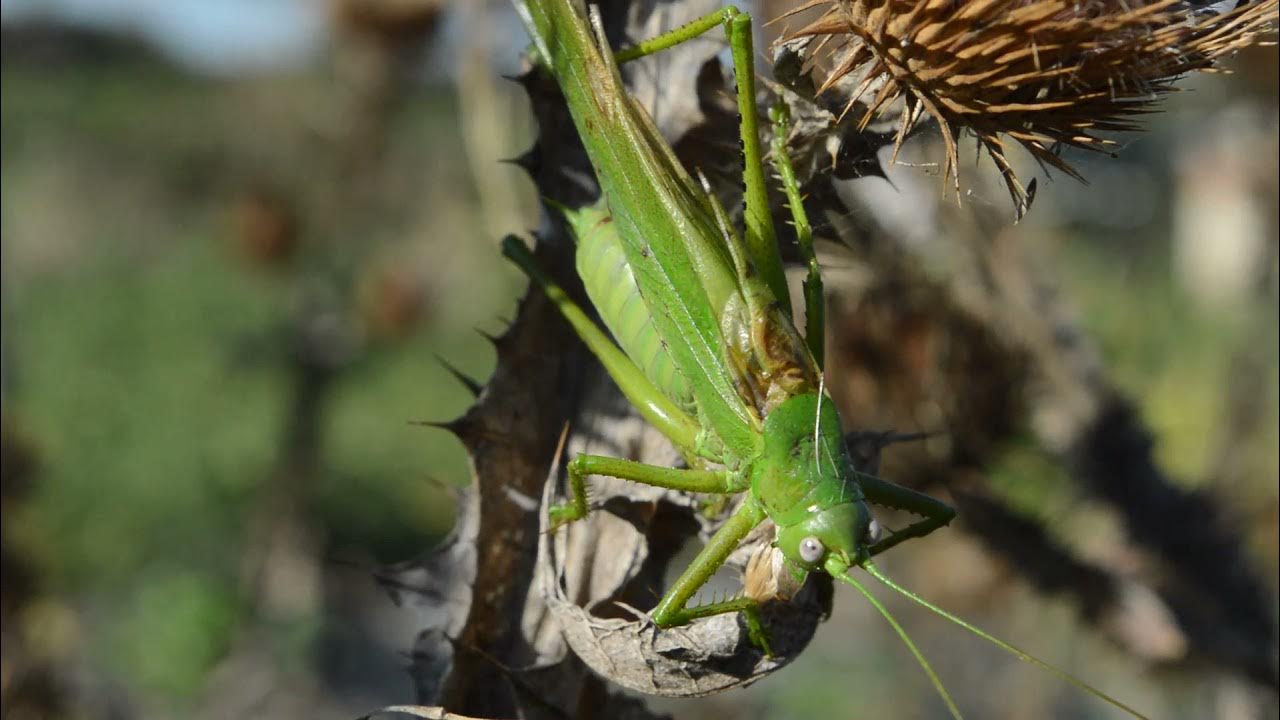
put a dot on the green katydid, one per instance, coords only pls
(706, 346)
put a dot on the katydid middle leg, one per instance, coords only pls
(689, 480)
(672, 609)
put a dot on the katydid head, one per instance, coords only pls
(805, 480)
(841, 533)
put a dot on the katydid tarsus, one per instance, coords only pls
(706, 346)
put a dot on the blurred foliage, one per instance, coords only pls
(1178, 359)
(141, 353)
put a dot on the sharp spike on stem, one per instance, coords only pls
(1019, 653)
(488, 336)
(438, 424)
(529, 160)
(524, 79)
(460, 427)
(906, 639)
(469, 382)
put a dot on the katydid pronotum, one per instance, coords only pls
(706, 349)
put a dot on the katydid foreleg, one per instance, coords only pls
(673, 608)
(760, 237)
(935, 513)
(814, 300)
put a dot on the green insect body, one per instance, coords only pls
(706, 348)
(700, 325)
(801, 476)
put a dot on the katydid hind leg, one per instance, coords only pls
(652, 404)
(934, 513)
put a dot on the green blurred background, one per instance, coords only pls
(235, 237)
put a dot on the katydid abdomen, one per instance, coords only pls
(611, 285)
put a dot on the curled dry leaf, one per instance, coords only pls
(1044, 73)
(704, 657)
(599, 574)
(427, 712)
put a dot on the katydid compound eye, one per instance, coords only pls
(811, 549)
(873, 532)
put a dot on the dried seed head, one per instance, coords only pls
(1044, 73)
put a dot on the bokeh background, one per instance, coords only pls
(245, 241)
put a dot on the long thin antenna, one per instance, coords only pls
(906, 639)
(817, 422)
(1021, 654)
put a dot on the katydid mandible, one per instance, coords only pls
(706, 346)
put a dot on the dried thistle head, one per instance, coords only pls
(1044, 73)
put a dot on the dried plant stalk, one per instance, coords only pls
(1044, 73)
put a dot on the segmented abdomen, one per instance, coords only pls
(610, 284)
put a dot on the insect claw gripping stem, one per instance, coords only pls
(561, 515)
